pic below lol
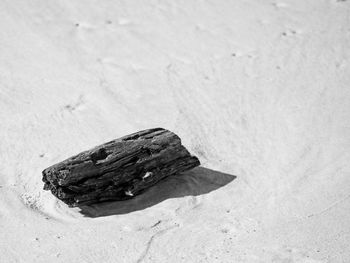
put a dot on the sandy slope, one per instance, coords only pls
(256, 89)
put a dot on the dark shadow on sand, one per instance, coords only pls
(198, 181)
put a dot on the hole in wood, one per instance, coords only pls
(101, 154)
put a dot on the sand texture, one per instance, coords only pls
(258, 90)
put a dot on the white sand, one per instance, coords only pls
(256, 89)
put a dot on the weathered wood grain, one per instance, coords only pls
(119, 169)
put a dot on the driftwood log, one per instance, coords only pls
(119, 169)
